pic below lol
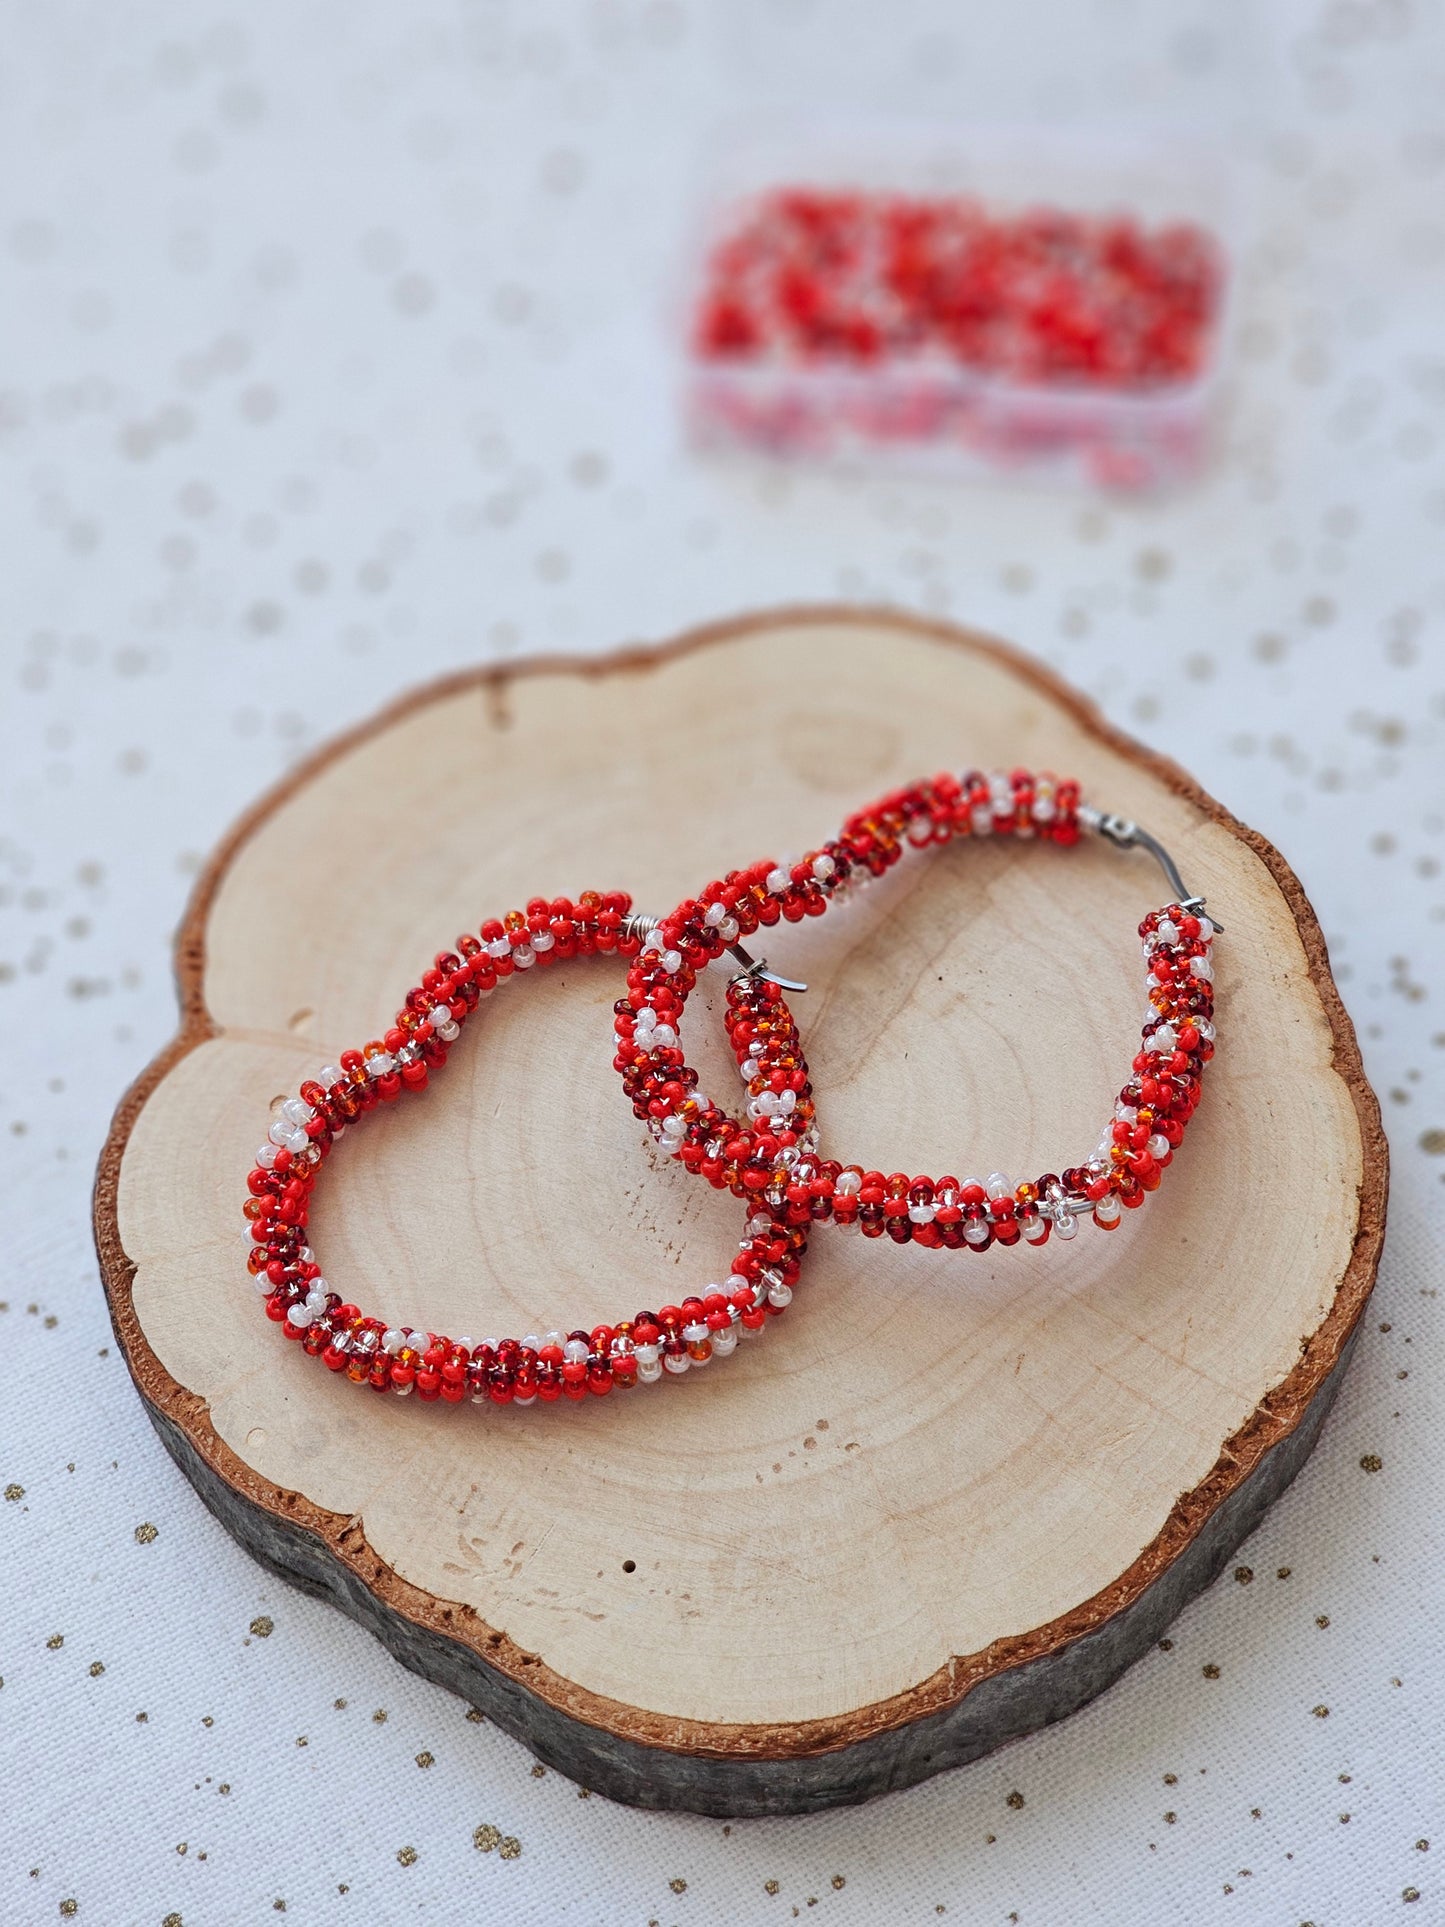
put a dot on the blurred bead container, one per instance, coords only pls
(966, 301)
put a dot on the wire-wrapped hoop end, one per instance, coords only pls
(642, 927)
(1127, 835)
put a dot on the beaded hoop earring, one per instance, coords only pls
(508, 1371)
(772, 1154)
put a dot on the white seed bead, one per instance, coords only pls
(998, 1185)
(393, 1340)
(725, 1342)
(676, 1362)
(777, 882)
(648, 1370)
(575, 1350)
(1158, 1145)
(1066, 1225)
(328, 1075)
(824, 867)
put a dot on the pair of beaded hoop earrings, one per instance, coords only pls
(770, 1156)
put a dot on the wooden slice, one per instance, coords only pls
(944, 1500)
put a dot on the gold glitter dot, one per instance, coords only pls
(839, 1882)
(406, 1856)
(1243, 1574)
(486, 1837)
(145, 1533)
(263, 1626)
(1170, 1818)
(770, 1886)
(1171, 1779)
(1322, 1619)
(426, 1759)
(142, 1718)
(1284, 1572)
(678, 1886)
(206, 1720)
(1422, 1846)
(172, 1920)
(1166, 1645)
(182, 1847)
(55, 1641)
(340, 1705)
(301, 1740)
(278, 1906)
(1371, 1462)
(1015, 1799)
(224, 1787)
(475, 1715)
(539, 1772)
(1211, 1671)
(69, 1909)
(379, 1716)
(1410, 1893)
(510, 1849)
(97, 1667)
(1320, 1712)
(15, 1492)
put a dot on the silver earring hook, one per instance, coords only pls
(1127, 835)
(638, 925)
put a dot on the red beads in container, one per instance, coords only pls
(831, 316)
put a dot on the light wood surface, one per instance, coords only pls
(936, 1469)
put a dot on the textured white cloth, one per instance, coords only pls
(333, 356)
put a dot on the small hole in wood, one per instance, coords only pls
(629, 1565)
(299, 1018)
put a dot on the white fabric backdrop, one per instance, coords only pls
(329, 358)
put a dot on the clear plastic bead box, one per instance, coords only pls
(885, 388)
